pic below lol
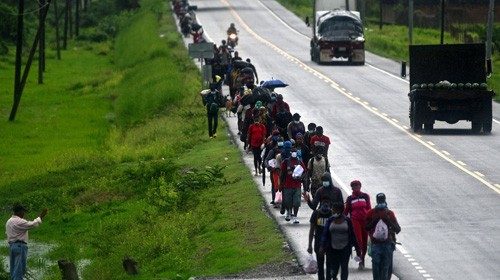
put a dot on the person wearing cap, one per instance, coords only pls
(317, 226)
(296, 126)
(328, 191)
(337, 241)
(382, 249)
(357, 206)
(320, 142)
(290, 182)
(16, 229)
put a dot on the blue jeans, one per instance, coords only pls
(18, 256)
(382, 259)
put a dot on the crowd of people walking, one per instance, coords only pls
(294, 160)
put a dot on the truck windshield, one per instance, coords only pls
(340, 26)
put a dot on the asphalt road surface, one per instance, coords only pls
(444, 187)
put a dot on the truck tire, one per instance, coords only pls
(477, 124)
(428, 127)
(488, 116)
(414, 123)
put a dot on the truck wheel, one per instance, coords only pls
(428, 127)
(488, 116)
(476, 125)
(415, 125)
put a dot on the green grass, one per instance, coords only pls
(107, 143)
(392, 40)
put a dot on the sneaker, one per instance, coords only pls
(295, 220)
(215, 135)
(272, 202)
(287, 218)
(282, 210)
(211, 137)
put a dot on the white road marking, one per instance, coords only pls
(461, 163)
(385, 115)
(366, 103)
(497, 185)
(445, 152)
(415, 264)
(479, 173)
(430, 143)
(495, 120)
(395, 120)
(405, 127)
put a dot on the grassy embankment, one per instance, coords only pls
(383, 42)
(114, 144)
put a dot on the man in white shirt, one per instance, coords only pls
(16, 229)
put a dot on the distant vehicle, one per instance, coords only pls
(448, 83)
(337, 32)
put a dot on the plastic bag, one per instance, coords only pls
(297, 172)
(278, 198)
(311, 266)
(272, 163)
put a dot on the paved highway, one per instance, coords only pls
(444, 187)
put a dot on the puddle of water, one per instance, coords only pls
(37, 259)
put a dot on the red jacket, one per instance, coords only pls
(357, 206)
(287, 167)
(256, 134)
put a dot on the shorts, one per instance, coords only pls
(291, 198)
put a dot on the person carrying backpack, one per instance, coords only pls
(318, 222)
(382, 227)
(357, 206)
(212, 102)
(316, 166)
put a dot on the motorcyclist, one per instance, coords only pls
(232, 30)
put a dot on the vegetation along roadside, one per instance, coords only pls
(114, 144)
(381, 41)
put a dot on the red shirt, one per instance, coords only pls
(288, 166)
(322, 141)
(256, 134)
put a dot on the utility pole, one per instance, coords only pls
(22, 82)
(19, 50)
(410, 22)
(66, 21)
(77, 18)
(442, 20)
(489, 30)
(58, 39)
(347, 5)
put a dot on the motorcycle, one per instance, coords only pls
(232, 40)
